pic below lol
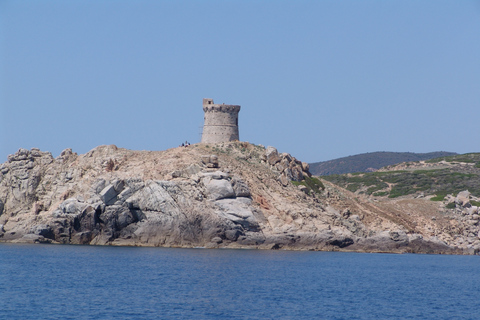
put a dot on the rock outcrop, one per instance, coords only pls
(234, 195)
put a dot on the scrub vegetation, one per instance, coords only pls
(439, 177)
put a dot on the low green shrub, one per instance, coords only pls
(374, 189)
(451, 205)
(437, 198)
(353, 187)
(436, 182)
(380, 194)
(312, 183)
(475, 203)
(439, 195)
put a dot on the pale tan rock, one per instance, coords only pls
(172, 198)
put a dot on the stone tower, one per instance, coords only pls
(221, 122)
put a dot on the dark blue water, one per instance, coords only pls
(82, 282)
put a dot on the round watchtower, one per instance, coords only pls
(221, 122)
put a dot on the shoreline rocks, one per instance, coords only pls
(240, 197)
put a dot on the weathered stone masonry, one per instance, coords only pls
(221, 122)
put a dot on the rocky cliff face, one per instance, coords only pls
(234, 195)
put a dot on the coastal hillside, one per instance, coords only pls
(452, 182)
(435, 177)
(368, 162)
(226, 195)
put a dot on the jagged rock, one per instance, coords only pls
(463, 198)
(88, 220)
(353, 224)
(153, 198)
(288, 173)
(287, 157)
(116, 217)
(284, 180)
(66, 152)
(297, 174)
(464, 194)
(108, 195)
(118, 185)
(305, 166)
(232, 234)
(211, 161)
(35, 152)
(43, 230)
(21, 154)
(99, 185)
(290, 168)
(71, 207)
(472, 210)
(279, 166)
(240, 187)
(238, 211)
(219, 189)
(217, 240)
(125, 194)
(272, 156)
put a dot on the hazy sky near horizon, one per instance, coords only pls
(318, 79)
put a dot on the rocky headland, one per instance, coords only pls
(229, 195)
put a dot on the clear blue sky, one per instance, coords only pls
(317, 79)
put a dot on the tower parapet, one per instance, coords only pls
(221, 122)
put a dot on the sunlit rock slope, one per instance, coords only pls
(230, 195)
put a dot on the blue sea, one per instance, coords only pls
(88, 282)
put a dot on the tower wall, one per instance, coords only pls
(221, 122)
